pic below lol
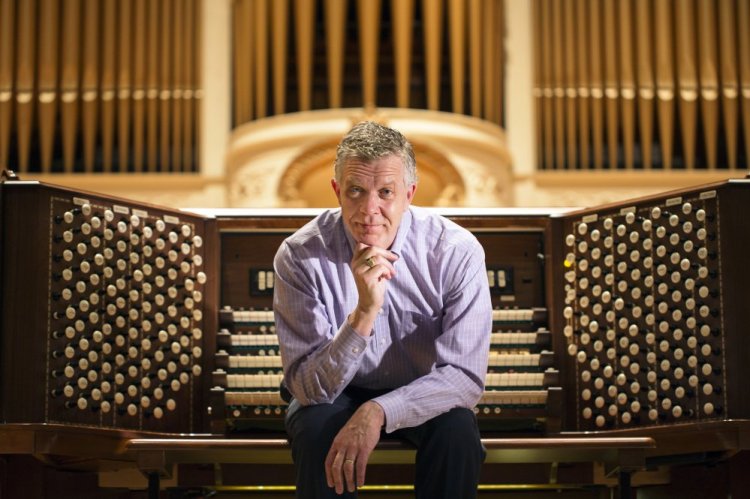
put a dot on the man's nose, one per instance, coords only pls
(371, 204)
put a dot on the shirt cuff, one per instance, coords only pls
(348, 345)
(394, 410)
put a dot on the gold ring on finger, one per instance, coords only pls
(370, 262)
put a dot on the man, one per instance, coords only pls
(383, 314)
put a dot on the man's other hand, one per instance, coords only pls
(347, 459)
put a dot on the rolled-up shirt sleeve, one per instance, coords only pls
(318, 360)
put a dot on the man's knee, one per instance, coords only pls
(315, 427)
(457, 430)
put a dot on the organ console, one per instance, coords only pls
(106, 309)
(653, 309)
(625, 318)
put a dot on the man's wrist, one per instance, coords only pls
(362, 321)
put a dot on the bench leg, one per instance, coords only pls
(153, 485)
(625, 492)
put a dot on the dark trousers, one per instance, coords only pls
(449, 448)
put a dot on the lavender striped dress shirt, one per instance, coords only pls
(430, 342)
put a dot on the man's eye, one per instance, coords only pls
(386, 193)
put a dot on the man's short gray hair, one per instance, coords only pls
(368, 141)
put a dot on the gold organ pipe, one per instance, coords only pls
(139, 83)
(305, 21)
(7, 33)
(665, 86)
(152, 87)
(645, 79)
(538, 90)
(107, 82)
(335, 12)
(260, 28)
(69, 82)
(743, 16)
(558, 90)
(729, 79)
(488, 58)
(80, 77)
(243, 61)
(708, 78)
(611, 82)
(687, 78)
(25, 79)
(166, 80)
(197, 123)
(569, 49)
(498, 61)
(369, 26)
(457, 19)
(433, 22)
(48, 74)
(189, 41)
(90, 82)
(582, 82)
(403, 22)
(637, 66)
(475, 57)
(597, 85)
(627, 80)
(124, 83)
(178, 84)
(545, 76)
(280, 20)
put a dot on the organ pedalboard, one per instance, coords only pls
(122, 315)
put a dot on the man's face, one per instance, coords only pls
(373, 199)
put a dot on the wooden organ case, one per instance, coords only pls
(125, 318)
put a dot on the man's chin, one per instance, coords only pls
(370, 239)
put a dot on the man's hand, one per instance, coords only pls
(372, 267)
(347, 459)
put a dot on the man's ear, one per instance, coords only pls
(410, 193)
(336, 189)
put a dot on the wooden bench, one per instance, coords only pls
(156, 457)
